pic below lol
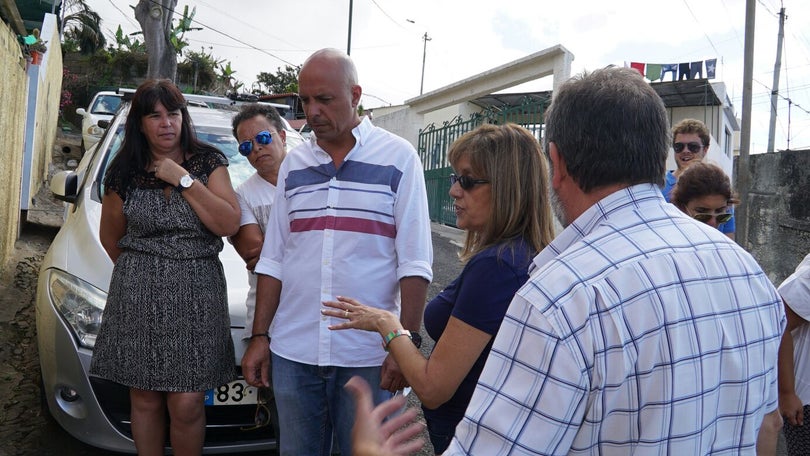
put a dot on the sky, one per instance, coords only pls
(467, 37)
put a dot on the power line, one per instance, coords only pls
(387, 15)
(704, 31)
(229, 36)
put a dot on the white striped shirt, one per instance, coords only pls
(352, 231)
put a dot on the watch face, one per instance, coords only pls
(186, 181)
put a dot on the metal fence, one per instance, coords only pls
(434, 142)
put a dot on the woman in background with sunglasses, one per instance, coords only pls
(500, 199)
(690, 142)
(704, 193)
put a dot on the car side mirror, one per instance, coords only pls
(64, 186)
(81, 111)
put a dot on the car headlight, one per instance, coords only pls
(95, 130)
(80, 305)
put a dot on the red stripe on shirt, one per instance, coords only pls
(358, 225)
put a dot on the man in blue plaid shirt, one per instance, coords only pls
(640, 330)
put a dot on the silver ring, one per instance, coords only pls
(345, 314)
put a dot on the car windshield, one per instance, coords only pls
(106, 104)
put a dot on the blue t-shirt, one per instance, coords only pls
(479, 296)
(669, 182)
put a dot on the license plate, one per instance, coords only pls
(237, 392)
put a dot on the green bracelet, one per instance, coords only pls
(393, 335)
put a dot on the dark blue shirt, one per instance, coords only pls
(479, 296)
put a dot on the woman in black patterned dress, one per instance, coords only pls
(165, 333)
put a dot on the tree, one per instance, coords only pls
(284, 81)
(82, 28)
(155, 17)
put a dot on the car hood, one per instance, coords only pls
(77, 250)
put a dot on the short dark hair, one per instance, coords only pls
(610, 127)
(702, 179)
(251, 110)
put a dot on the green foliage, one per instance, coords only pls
(124, 43)
(178, 32)
(82, 28)
(226, 77)
(284, 81)
(198, 71)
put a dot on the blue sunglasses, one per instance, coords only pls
(264, 138)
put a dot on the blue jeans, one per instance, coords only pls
(312, 404)
(440, 435)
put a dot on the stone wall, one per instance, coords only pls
(13, 99)
(779, 211)
(29, 97)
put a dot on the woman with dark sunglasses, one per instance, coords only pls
(500, 199)
(704, 193)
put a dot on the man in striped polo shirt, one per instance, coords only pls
(350, 218)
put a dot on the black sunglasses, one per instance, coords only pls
(693, 147)
(466, 182)
(706, 216)
(264, 138)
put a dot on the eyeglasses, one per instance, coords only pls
(693, 147)
(264, 138)
(466, 182)
(262, 416)
(706, 216)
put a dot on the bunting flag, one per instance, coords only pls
(653, 71)
(684, 71)
(711, 66)
(680, 71)
(695, 69)
(669, 68)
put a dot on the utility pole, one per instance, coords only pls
(743, 163)
(349, 45)
(777, 67)
(426, 38)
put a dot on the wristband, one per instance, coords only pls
(393, 335)
(253, 336)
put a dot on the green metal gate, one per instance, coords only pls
(434, 143)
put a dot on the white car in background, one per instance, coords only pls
(102, 107)
(72, 291)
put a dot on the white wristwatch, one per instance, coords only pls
(185, 182)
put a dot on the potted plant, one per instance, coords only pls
(34, 47)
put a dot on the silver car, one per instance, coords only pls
(72, 291)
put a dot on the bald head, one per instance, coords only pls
(336, 62)
(329, 93)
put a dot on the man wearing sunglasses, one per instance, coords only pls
(262, 140)
(350, 218)
(690, 142)
(639, 331)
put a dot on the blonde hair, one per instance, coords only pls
(511, 159)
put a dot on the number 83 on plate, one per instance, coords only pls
(237, 392)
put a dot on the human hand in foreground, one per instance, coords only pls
(359, 316)
(373, 437)
(790, 406)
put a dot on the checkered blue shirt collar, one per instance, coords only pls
(594, 216)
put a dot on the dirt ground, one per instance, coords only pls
(25, 428)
